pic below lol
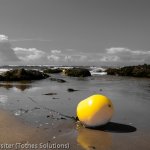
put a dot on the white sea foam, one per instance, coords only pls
(3, 70)
(97, 71)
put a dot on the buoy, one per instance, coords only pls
(95, 110)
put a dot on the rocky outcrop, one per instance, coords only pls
(135, 71)
(52, 70)
(22, 74)
(112, 71)
(77, 72)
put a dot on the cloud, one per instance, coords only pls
(110, 59)
(67, 57)
(75, 58)
(3, 37)
(126, 56)
(53, 58)
(111, 56)
(7, 54)
(55, 51)
(115, 50)
(29, 54)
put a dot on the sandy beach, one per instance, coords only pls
(32, 120)
(16, 134)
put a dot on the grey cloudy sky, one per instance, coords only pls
(75, 32)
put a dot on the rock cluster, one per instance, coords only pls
(22, 74)
(77, 72)
(52, 70)
(135, 71)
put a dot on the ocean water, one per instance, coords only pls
(130, 97)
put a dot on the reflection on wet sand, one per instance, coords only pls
(94, 139)
(21, 86)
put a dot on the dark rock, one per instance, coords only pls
(134, 71)
(58, 80)
(77, 72)
(55, 98)
(71, 90)
(112, 71)
(52, 70)
(63, 118)
(22, 74)
(50, 94)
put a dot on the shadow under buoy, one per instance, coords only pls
(116, 128)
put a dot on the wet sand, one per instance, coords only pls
(15, 133)
(14, 130)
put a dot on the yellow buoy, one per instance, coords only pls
(95, 110)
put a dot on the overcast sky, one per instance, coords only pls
(74, 32)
